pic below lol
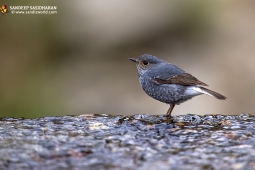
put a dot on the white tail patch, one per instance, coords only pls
(201, 91)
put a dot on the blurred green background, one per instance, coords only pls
(76, 61)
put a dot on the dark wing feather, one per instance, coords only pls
(184, 79)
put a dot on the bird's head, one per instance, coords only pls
(146, 62)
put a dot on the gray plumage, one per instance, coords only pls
(168, 83)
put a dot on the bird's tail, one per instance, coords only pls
(210, 93)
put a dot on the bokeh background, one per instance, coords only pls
(76, 62)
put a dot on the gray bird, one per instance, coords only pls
(168, 83)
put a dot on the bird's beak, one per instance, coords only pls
(134, 60)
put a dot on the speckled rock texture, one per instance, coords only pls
(143, 142)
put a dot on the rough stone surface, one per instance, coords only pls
(128, 142)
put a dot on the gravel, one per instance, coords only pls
(143, 142)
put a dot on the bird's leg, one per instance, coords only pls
(168, 113)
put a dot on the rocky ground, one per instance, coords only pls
(128, 142)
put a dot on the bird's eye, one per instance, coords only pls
(145, 62)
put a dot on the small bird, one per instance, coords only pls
(168, 83)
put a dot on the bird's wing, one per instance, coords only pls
(184, 79)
